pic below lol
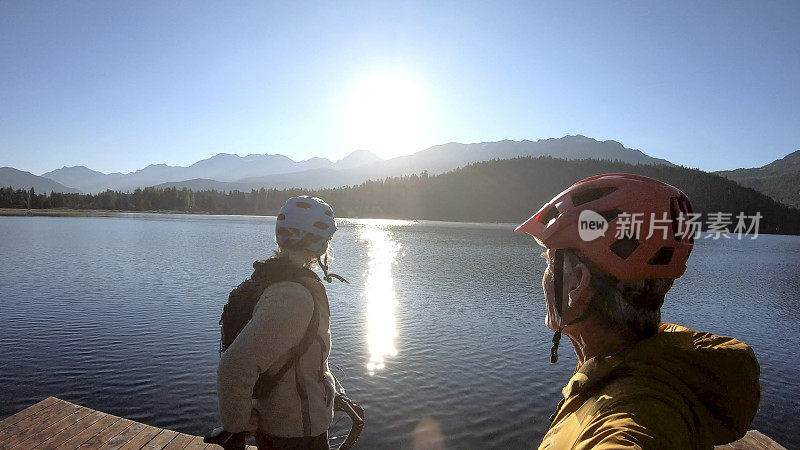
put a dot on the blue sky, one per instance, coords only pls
(118, 85)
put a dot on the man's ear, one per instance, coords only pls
(580, 292)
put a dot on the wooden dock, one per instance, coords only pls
(752, 440)
(57, 424)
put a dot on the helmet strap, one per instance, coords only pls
(328, 276)
(558, 292)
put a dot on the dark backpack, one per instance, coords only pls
(239, 310)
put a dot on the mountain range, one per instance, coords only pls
(223, 167)
(435, 160)
(19, 179)
(226, 171)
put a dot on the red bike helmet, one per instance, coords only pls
(617, 197)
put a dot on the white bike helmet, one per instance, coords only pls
(305, 222)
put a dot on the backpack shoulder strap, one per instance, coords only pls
(267, 382)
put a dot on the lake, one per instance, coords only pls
(442, 323)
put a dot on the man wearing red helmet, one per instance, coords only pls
(639, 383)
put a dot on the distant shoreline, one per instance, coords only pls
(83, 212)
(21, 212)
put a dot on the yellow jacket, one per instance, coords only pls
(679, 389)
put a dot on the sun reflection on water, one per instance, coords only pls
(382, 254)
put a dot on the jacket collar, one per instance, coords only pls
(277, 269)
(600, 368)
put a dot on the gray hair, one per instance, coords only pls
(628, 308)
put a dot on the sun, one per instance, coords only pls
(389, 115)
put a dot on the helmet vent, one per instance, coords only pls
(304, 205)
(320, 225)
(624, 247)
(548, 215)
(610, 215)
(328, 213)
(590, 195)
(662, 257)
(679, 206)
(281, 216)
(675, 213)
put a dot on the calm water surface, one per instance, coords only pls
(441, 325)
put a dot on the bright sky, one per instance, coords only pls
(116, 86)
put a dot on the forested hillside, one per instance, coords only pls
(494, 191)
(780, 179)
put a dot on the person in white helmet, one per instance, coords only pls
(273, 378)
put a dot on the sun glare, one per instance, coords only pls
(389, 115)
(383, 253)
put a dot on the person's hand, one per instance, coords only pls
(252, 425)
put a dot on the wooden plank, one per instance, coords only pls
(764, 440)
(23, 429)
(88, 432)
(180, 441)
(196, 444)
(14, 418)
(735, 445)
(752, 440)
(126, 435)
(72, 430)
(100, 439)
(36, 417)
(161, 440)
(142, 438)
(56, 428)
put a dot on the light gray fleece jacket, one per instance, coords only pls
(280, 319)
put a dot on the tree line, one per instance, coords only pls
(493, 191)
(257, 202)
